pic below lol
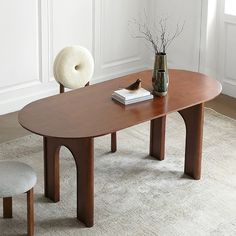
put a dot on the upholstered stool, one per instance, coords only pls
(17, 178)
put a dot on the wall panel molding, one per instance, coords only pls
(19, 93)
(99, 25)
(46, 39)
(227, 51)
(109, 33)
(124, 61)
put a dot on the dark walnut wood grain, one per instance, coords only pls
(7, 207)
(30, 212)
(113, 135)
(7, 211)
(90, 111)
(82, 151)
(74, 118)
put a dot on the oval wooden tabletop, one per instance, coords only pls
(90, 111)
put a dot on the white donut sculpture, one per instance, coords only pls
(73, 67)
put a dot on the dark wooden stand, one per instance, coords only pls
(193, 118)
(82, 151)
(76, 124)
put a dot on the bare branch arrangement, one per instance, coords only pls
(156, 34)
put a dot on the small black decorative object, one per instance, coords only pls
(135, 86)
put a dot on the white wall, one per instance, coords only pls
(33, 31)
(184, 52)
(20, 48)
(227, 48)
(218, 44)
(209, 40)
(227, 57)
(115, 51)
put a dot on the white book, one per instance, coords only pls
(128, 94)
(131, 101)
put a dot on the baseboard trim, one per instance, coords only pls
(16, 100)
(18, 103)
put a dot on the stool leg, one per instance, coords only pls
(7, 207)
(30, 212)
(113, 142)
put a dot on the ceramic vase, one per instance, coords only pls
(160, 78)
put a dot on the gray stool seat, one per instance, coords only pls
(15, 178)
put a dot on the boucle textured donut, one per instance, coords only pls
(73, 67)
(15, 178)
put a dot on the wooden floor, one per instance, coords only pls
(224, 104)
(10, 129)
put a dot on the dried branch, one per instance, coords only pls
(157, 35)
(145, 33)
(179, 30)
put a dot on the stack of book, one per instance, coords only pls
(127, 97)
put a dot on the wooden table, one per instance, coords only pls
(75, 118)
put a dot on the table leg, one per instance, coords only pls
(51, 168)
(83, 153)
(194, 119)
(157, 138)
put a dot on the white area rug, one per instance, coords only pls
(135, 194)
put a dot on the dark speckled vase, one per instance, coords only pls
(160, 77)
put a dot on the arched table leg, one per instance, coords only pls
(194, 119)
(83, 153)
(51, 168)
(157, 138)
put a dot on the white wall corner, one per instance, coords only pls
(209, 38)
(203, 36)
